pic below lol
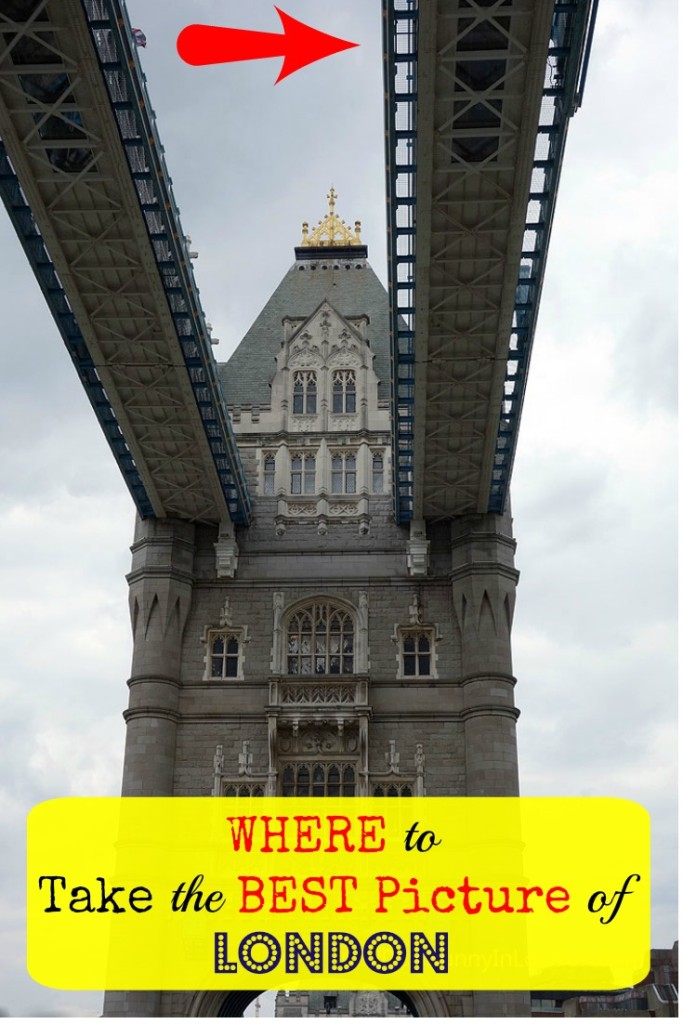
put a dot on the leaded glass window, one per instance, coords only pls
(318, 778)
(416, 653)
(303, 474)
(343, 473)
(320, 641)
(305, 393)
(269, 474)
(377, 472)
(344, 391)
(224, 652)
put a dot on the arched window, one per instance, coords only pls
(344, 391)
(417, 650)
(318, 778)
(225, 654)
(343, 473)
(320, 639)
(305, 393)
(269, 474)
(377, 472)
(303, 474)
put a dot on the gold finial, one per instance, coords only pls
(332, 230)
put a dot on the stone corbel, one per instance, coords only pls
(227, 551)
(418, 549)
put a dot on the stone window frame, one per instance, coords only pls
(403, 633)
(319, 649)
(211, 635)
(268, 459)
(320, 767)
(305, 474)
(344, 392)
(347, 474)
(377, 475)
(304, 393)
(283, 613)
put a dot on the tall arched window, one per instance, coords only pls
(320, 640)
(305, 393)
(343, 473)
(269, 474)
(344, 391)
(303, 474)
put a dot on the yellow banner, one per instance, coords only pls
(351, 893)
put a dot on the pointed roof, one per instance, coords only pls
(339, 274)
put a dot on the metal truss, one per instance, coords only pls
(477, 114)
(83, 177)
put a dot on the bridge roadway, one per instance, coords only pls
(477, 106)
(478, 96)
(82, 175)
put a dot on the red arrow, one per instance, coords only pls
(300, 45)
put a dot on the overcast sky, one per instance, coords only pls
(593, 488)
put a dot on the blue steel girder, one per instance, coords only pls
(80, 136)
(478, 97)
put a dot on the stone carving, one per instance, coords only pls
(303, 423)
(344, 355)
(415, 610)
(325, 324)
(369, 1004)
(302, 510)
(225, 617)
(347, 509)
(392, 758)
(218, 764)
(318, 693)
(304, 356)
(320, 741)
(244, 760)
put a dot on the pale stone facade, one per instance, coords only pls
(323, 649)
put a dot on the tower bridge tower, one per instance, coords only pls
(324, 650)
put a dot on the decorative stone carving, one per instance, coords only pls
(276, 652)
(227, 551)
(305, 356)
(346, 509)
(225, 617)
(344, 355)
(302, 509)
(392, 758)
(415, 610)
(218, 765)
(320, 741)
(244, 760)
(318, 693)
(303, 423)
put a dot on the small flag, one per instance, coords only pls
(139, 37)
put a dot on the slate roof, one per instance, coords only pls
(352, 292)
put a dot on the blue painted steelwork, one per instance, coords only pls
(43, 268)
(568, 52)
(570, 41)
(400, 19)
(125, 82)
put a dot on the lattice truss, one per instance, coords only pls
(477, 132)
(135, 330)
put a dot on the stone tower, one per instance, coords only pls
(324, 650)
